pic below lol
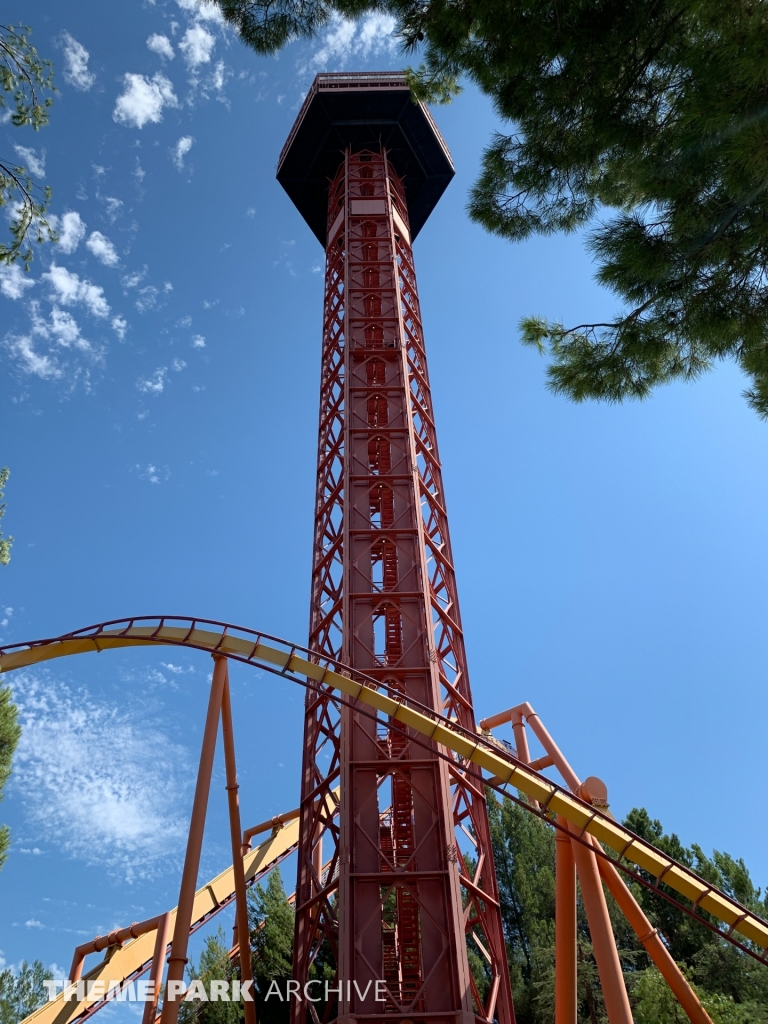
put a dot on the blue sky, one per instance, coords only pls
(159, 415)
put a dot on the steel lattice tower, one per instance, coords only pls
(383, 891)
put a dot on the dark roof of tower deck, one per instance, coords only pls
(361, 110)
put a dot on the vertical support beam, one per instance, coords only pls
(156, 970)
(177, 961)
(565, 930)
(603, 943)
(241, 899)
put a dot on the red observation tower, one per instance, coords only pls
(384, 890)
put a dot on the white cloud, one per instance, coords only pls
(95, 782)
(370, 36)
(113, 206)
(154, 474)
(76, 64)
(58, 331)
(71, 229)
(13, 281)
(60, 328)
(147, 298)
(35, 164)
(72, 290)
(178, 365)
(134, 279)
(198, 341)
(119, 326)
(184, 321)
(197, 45)
(161, 45)
(181, 149)
(21, 347)
(143, 100)
(201, 10)
(32, 923)
(103, 249)
(154, 384)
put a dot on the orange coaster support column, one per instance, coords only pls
(158, 965)
(603, 943)
(654, 947)
(241, 899)
(178, 958)
(565, 930)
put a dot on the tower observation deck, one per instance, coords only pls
(384, 893)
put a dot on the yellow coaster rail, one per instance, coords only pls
(299, 665)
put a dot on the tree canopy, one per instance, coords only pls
(9, 738)
(732, 986)
(26, 87)
(21, 993)
(643, 124)
(5, 542)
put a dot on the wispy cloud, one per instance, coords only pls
(34, 164)
(103, 249)
(198, 341)
(71, 290)
(13, 281)
(119, 326)
(42, 350)
(143, 99)
(370, 36)
(94, 781)
(21, 347)
(197, 45)
(71, 229)
(155, 383)
(201, 11)
(60, 327)
(113, 206)
(155, 475)
(161, 45)
(181, 149)
(76, 57)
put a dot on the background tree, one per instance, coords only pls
(26, 84)
(5, 542)
(9, 738)
(215, 965)
(271, 920)
(650, 116)
(732, 986)
(22, 993)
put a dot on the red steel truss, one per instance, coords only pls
(397, 900)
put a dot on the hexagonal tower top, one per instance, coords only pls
(363, 110)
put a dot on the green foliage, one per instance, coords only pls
(9, 738)
(271, 921)
(650, 115)
(653, 1003)
(22, 993)
(524, 854)
(732, 986)
(5, 542)
(26, 84)
(214, 965)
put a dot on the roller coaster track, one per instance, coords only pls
(124, 964)
(626, 851)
